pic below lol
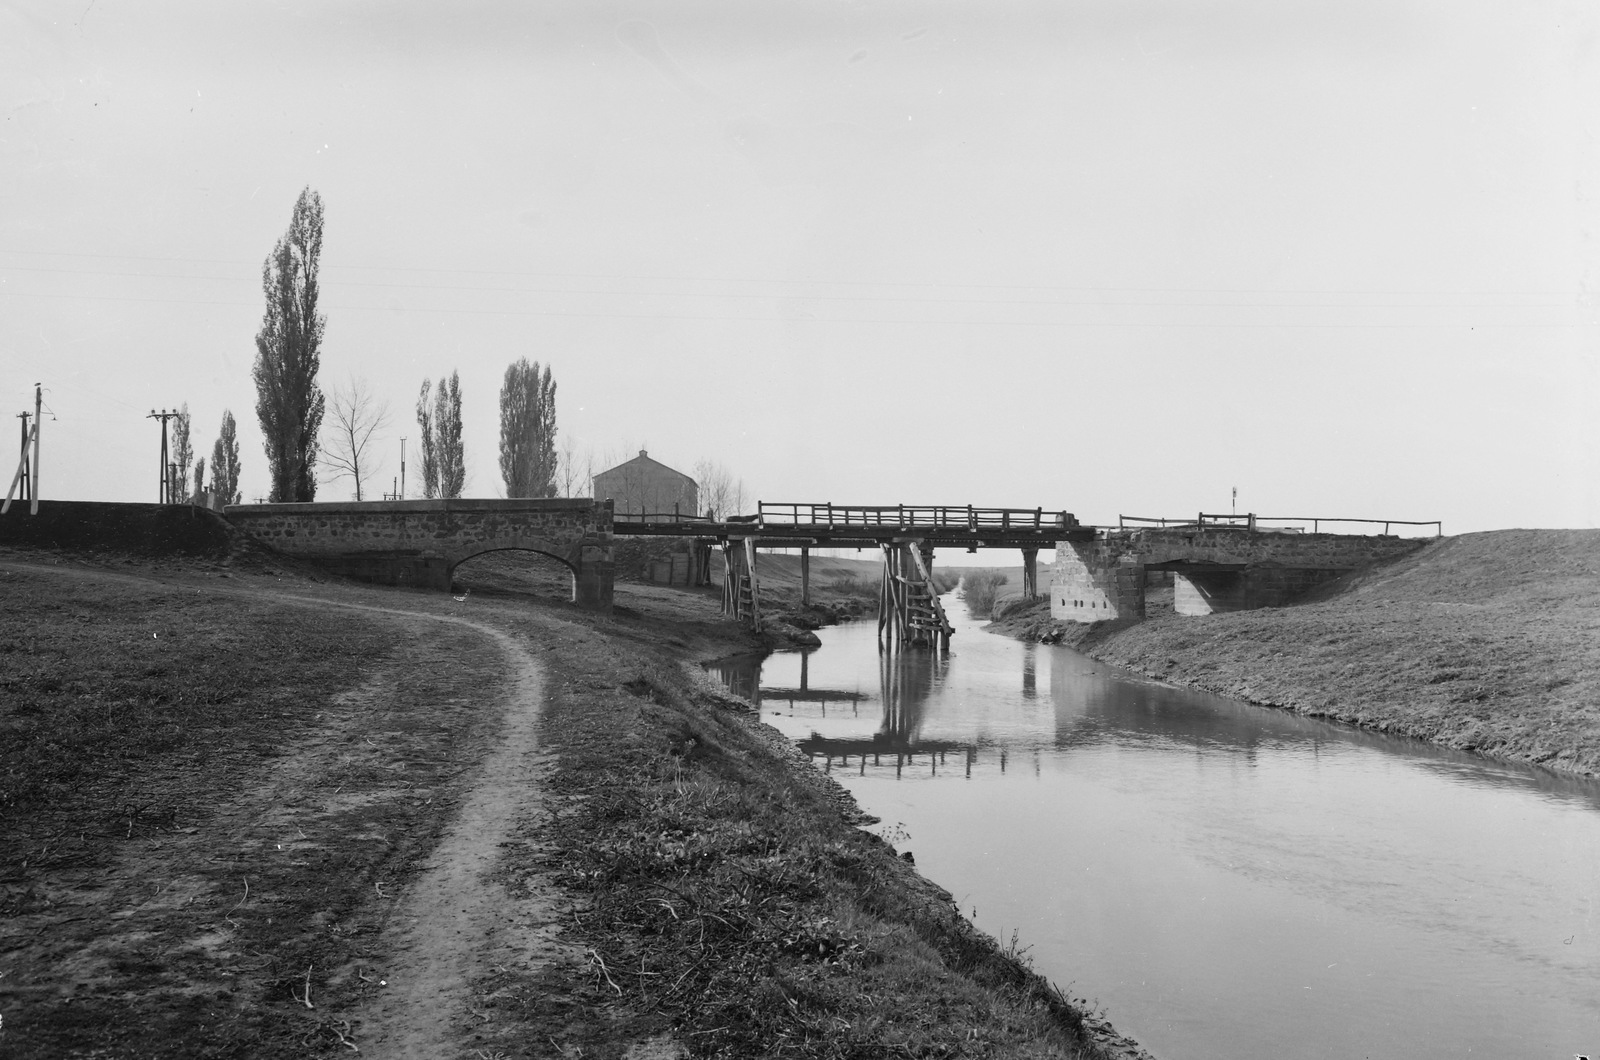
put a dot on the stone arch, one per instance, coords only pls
(568, 557)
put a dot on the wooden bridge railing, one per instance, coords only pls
(936, 516)
(1251, 521)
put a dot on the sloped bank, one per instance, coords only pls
(1485, 642)
(729, 899)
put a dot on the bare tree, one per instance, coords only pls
(721, 494)
(570, 478)
(355, 416)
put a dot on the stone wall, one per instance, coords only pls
(1231, 545)
(1215, 569)
(1096, 581)
(420, 542)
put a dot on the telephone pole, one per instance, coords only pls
(165, 495)
(402, 494)
(25, 486)
(31, 481)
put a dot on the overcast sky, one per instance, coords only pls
(1116, 257)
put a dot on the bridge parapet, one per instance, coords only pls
(1215, 568)
(421, 542)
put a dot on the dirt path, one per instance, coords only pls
(418, 776)
(455, 921)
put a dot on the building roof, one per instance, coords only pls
(643, 460)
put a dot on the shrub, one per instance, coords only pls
(980, 589)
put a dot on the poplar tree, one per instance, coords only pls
(289, 403)
(182, 455)
(528, 455)
(430, 455)
(225, 462)
(448, 449)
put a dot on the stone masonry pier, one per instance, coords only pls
(1214, 568)
(421, 542)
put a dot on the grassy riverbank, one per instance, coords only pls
(1484, 642)
(222, 787)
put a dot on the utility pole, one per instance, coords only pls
(31, 489)
(165, 496)
(24, 491)
(402, 494)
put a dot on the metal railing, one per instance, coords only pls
(1273, 523)
(949, 517)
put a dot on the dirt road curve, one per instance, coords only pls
(404, 791)
(454, 921)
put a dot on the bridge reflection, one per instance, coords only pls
(906, 685)
(1007, 704)
(742, 675)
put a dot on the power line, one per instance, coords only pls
(755, 295)
(818, 320)
(939, 285)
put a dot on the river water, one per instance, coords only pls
(1224, 881)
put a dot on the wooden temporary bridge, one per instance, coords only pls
(909, 611)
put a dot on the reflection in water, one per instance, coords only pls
(905, 681)
(1228, 880)
(741, 674)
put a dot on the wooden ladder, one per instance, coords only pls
(741, 595)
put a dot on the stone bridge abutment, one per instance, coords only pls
(1214, 569)
(421, 542)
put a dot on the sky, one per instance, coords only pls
(1116, 257)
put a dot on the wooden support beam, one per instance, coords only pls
(755, 590)
(805, 577)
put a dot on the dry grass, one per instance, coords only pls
(99, 677)
(730, 897)
(1484, 642)
(203, 788)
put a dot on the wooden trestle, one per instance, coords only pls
(908, 534)
(909, 611)
(741, 595)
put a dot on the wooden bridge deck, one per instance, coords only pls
(800, 525)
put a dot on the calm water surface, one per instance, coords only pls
(1226, 881)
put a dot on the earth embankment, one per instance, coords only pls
(244, 813)
(1484, 642)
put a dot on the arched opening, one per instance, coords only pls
(516, 573)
